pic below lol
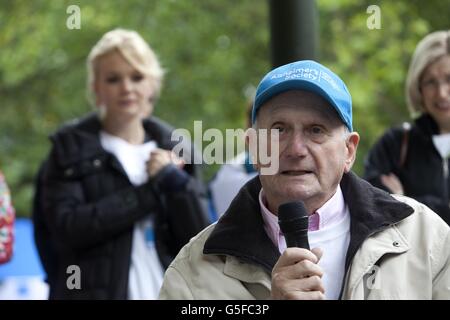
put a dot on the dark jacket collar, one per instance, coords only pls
(426, 124)
(240, 231)
(79, 139)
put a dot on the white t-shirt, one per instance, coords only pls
(442, 144)
(146, 272)
(333, 241)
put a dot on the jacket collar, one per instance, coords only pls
(427, 125)
(371, 210)
(79, 139)
(240, 231)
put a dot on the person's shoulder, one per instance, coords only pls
(194, 248)
(423, 222)
(392, 137)
(158, 128)
(193, 274)
(426, 235)
(191, 260)
(76, 139)
(88, 122)
(419, 208)
(396, 132)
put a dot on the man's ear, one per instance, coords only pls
(351, 147)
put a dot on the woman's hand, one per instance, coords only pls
(160, 158)
(392, 182)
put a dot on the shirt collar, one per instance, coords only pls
(333, 211)
(329, 214)
(270, 220)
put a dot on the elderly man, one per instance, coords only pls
(366, 243)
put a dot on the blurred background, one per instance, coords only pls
(214, 52)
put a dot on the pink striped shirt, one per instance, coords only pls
(331, 213)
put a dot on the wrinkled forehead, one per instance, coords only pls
(300, 101)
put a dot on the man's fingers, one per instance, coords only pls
(297, 263)
(291, 256)
(302, 295)
(301, 269)
(297, 275)
(318, 252)
(306, 288)
(309, 284)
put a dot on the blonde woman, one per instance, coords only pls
(115, 202)
(414, 160)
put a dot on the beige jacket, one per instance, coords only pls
(408, 259)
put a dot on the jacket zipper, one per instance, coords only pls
(344, 280)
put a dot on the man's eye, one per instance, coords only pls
(280, 129)
(316, 130)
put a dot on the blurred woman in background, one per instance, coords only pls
(414, 159)
(117, 202)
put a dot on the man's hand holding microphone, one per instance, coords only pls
(297, 275)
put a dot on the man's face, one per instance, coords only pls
(314, 149)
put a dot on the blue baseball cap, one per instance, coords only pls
(306, 75)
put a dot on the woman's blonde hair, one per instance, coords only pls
(429, 49)
(134, 49)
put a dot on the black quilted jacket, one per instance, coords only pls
(85, 209)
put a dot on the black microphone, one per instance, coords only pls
(293, 220)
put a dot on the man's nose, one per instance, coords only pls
(296, 145)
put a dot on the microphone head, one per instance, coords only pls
(292, 217)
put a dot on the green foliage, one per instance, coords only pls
(374, 63)
(214, 53)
